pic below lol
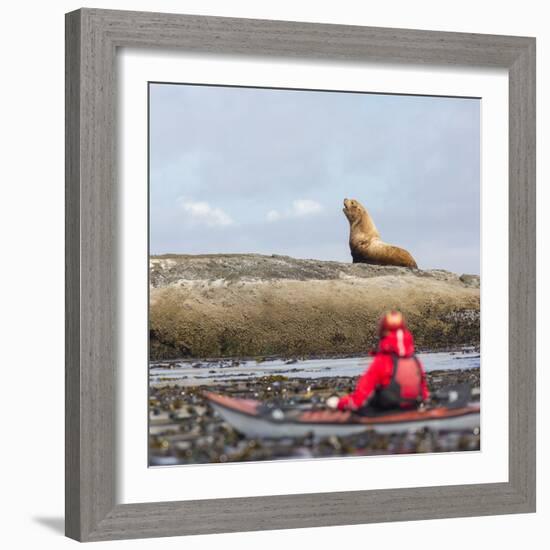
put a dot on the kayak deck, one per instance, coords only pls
(251, 418)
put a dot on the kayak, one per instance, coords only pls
(253, 419)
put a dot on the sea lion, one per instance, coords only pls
(364, 240)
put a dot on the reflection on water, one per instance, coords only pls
(191, 373)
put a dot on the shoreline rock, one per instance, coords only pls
(249, 305)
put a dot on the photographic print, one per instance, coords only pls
(314, 274)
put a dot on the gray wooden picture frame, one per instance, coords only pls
(92, 39)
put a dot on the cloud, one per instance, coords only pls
(273, 216)
(305, 207)
(300, 208)
(201, 212)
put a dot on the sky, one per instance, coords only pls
(236, 170)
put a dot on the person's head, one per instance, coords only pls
(391, 321)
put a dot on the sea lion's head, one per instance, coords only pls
(353, 210)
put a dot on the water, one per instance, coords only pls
(193, 373)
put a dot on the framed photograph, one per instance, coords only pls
(300, 275)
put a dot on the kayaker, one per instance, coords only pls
(394, 380)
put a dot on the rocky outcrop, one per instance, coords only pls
(249, 305)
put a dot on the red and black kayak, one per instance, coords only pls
(251, 418)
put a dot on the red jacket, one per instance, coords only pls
(379, 374)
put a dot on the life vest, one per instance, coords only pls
(405, 387)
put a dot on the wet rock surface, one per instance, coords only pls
(184, 429)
